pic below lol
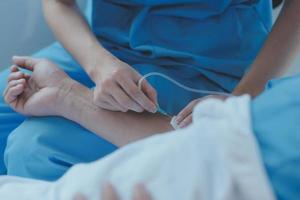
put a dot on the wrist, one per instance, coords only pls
(64, 96)
(101, 65)
(75, 101)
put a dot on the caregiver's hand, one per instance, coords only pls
(109, 193)
(117, 88)
(35, 94)
(185, 117)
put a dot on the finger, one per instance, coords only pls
(109, 103)
(25, 62)
(187, 121)
(141, 193)
(14, 68)
(79, 197)
(114, 103)
(138, 96)
(13, 93)
(15, 76)
(185, 112)
(109, 192)
(107, 106)
(16, 82)
(106, 101)
(149, 91)
(124, 101)
(27, 76)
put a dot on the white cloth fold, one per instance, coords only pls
(215, 158)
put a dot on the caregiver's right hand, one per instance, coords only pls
(117, 88)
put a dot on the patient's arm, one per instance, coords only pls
(48, 91)
(117, 127)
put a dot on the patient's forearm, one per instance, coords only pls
(117, 127)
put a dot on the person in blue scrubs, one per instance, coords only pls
(203, 44)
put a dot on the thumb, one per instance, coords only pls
(25, 62)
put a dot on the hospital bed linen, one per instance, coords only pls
(215, 158)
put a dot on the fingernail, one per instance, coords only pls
(138, 110)
(152, 109)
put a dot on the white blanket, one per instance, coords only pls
(216, 158)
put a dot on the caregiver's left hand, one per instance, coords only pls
(109, 193)
(185, 117)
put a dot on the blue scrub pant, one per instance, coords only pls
(45, 148)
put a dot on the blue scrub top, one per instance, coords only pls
(218, 39)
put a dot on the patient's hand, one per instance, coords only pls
(37, 94)
(109, 193)
(185, 117)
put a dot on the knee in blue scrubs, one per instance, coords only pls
(276, 124)
(45, 148)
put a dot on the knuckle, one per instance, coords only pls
(117, 73)
(123, 70)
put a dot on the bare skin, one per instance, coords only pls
(109, 193)
(50, 92)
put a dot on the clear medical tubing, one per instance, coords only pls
(206, 92)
